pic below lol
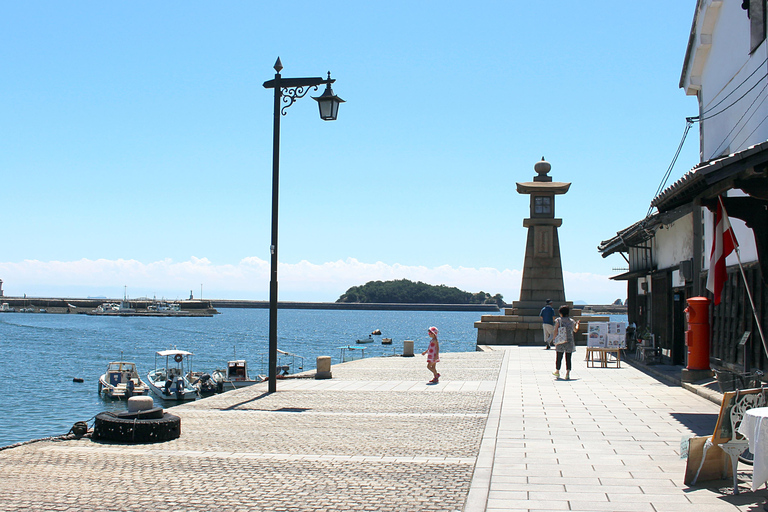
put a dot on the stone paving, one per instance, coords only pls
(375, 437)
(497, 433)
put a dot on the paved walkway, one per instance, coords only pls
(498, 433)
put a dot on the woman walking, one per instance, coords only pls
(564, 345)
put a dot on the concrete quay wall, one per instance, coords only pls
(354, 306)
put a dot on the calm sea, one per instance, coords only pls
(40, 354)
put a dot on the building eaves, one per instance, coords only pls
(632, 236)
(691, 44)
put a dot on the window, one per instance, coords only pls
(756, 13)
(542, 204)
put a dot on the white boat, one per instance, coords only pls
(170, 382)
(121, 380)
(235, 376)
(369, 339)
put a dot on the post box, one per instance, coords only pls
(697, 335)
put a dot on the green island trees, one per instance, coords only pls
(403, 291)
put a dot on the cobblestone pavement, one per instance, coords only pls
(375, 437)
(498, 433)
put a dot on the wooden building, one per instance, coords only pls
(668, 251)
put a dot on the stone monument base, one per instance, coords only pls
(521, 325)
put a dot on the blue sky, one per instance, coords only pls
(136, 142)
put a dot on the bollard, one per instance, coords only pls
(323, 367)
(408, 348)
(140, 403)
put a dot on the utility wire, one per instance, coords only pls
(688, 124)
(736, 124)
(710, 109)
(758, 126)
(703, 117)
(700, 118)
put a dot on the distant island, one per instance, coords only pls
(403, 291)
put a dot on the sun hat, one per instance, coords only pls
(433, 330)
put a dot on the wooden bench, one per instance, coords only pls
(726, 435)
(602, 354)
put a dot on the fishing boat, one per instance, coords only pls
(207, 384)
(170, 382)
(121, 380)
(235, 376)
(369, 339)
(386, 341)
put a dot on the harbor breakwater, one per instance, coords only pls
(75, 305)
(354, 306)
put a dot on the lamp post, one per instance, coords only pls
(287, 91)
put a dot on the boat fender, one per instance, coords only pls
(178, 358)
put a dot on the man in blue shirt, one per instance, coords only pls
(548, 322)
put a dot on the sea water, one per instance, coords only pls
(41, 354)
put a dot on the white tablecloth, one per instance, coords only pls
(754, 427)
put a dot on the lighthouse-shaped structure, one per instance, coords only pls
(542, 270)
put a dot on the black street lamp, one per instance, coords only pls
(287, 91)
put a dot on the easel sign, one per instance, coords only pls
(607, 335)
(597, 334)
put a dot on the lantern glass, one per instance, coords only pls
(328, 104)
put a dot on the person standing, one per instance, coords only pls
(433, 354)
(547, 315)
(569, 346)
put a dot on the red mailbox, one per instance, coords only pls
(697, 335)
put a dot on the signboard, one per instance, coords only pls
(597, 334)
(607, 334)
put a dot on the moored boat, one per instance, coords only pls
(170, 382)
(369, 339)
(236, 375)
(121, 380)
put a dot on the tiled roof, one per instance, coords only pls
(709, 173)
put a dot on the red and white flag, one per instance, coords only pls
(723, 244)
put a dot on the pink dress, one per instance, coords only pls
(432, 355)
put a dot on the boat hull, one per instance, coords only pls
(156, 380)
(120, 391)
(113, 383)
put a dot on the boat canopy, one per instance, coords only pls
(174, 352)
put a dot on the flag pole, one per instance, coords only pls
(746, 286)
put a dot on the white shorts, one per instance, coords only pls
(549, 331)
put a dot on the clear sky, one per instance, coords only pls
(136, 142)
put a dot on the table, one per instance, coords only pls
(755, 428)
(602, 354)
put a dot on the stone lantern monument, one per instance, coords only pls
(542, 270)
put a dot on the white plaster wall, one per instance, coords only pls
(744, 237)
(728, 65)
(674, 243)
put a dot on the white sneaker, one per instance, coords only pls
(556, 373)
